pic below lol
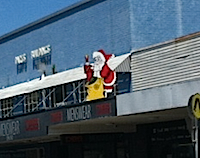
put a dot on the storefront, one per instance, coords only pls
(166, 140)
(161, 140)
(97, 145)
(29, 135)
(47, 114)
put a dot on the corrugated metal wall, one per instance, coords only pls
(168, 63)
(124, 66)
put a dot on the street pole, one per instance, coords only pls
(196, 137)
(194, 109)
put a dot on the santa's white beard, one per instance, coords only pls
(97, 68)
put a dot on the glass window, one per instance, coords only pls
(123, 82)
(68, 93)
(21, 67)
(82, 92)
(59, 94)
(42, 61)
(75, 92)
(21, 62)
(32, 101)
(6, 107)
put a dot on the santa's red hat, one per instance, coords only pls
(103, 55)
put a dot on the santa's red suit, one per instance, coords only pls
(101, 69)
(109, 77)
(88, 69)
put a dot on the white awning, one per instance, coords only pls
(54, 80)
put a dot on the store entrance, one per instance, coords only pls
(96, 146)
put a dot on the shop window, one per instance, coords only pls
(41, 62)
(31, 102)
(46, 98)
(18, 103)
(62, 93)
(75, 92)
(58, 95)
(68, 93)
(82, 92)
(21, 62)
(51, 100)
(6, 107)
(123, 82)
(21, 67)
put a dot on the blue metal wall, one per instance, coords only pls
(116, 26)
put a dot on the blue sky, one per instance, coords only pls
(17, 13)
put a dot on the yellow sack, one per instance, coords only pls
(95, 90)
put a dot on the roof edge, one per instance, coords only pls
(20, 30)
(70, 75)
(173, 41)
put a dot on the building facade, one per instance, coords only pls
(45, 112)
(115, 26)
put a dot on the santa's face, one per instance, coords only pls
(98, 60)
(98, 65)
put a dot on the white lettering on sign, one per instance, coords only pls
(41, 51)
(79, 113)
(9, 129)
(20, 59)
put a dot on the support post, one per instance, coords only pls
(196, 137)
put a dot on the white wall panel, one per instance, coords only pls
(172, 62)
(158, 98)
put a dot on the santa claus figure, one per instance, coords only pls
(101, 69)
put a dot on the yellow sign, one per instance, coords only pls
(195, 105)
